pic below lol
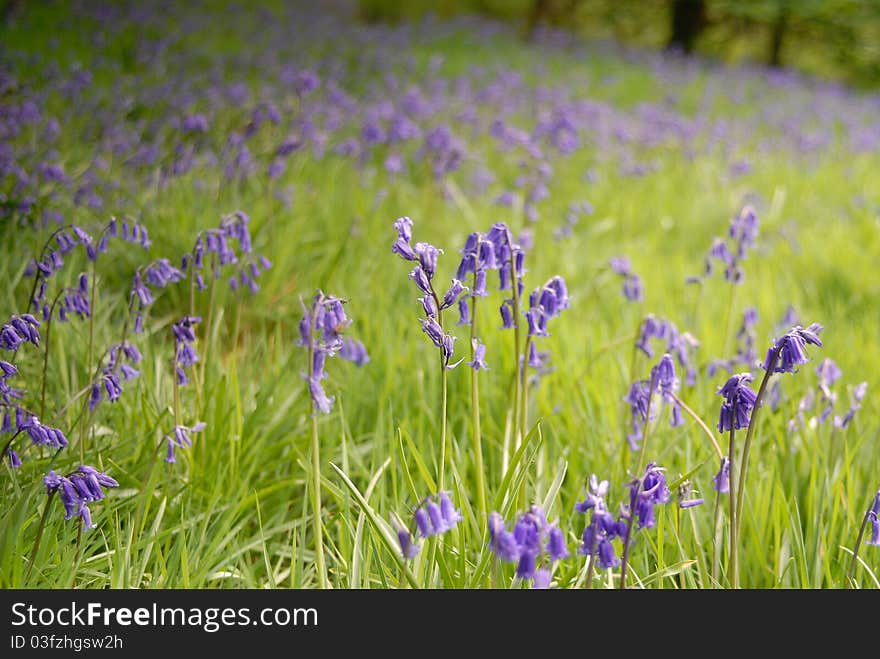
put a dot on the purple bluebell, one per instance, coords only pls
(638, 398)
(874, 517)
(647, 492)
(77, 489)
(12, 457)
(722, 478)
(40, 434)
(534, 544)
(320, 331)
(408, 548)
(787, 352)
(685, 500)
(464, 311)
(19, 329)
(602, 528)
(184, 352)
(181, 437)
(354, 351)
(479, 361)
(739, 400)
(435, 515)
(452, 295)
(507, 314)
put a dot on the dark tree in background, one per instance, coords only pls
(688, 20)
(780, 24)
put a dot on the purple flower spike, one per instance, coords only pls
(77, 489)
(320, 332)
(722, 478)
(479, 361)
(874, 516)
(739, 400)
(407, 547)
(787, 352)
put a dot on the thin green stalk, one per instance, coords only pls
(475, 420)
(716, 549)
(79, 532)
(700, 422)
(93, 292)
(855, 556)
(734, 548)
(320, 563)
(627, 544)
(759, 398)
(443, 401)
(729, 319)
(39, 535)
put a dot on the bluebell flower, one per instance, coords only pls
(78, 489)
(479, 361)
(788, 352)
(874, 516)
(739, 400)
(184, 352)
(180, 437)
(533, 544)
(722, 478)
(19, 329)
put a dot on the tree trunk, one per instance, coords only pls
(774, 56)
(536, 15)
(688, 20)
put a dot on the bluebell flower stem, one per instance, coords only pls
(759, 400)
(716, 521)
(92, 293)
(855, 556)
(475, 421)
(624, 563)
(734, 548)
(320, 562)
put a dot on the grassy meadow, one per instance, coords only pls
(324, 132)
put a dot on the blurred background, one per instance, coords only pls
(830, 38)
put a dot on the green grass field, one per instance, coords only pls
(658, 142)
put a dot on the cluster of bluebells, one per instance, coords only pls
(74, 300)
(425, 256)
(228, 244)
(788, 351)
(435, 515)
(65, 240)
(645, 493)
(156, 275)
(679, 344)
(544, 303)
(184, 353)
(663, 381)
(731, 252)
(534, 545)
(78, 489)
(120, 367)
(320, 331)
(632, 283)
(19, 329)
(602, 528)
(16, 419)
(746, 353)
(181, 437)
(739, 401)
